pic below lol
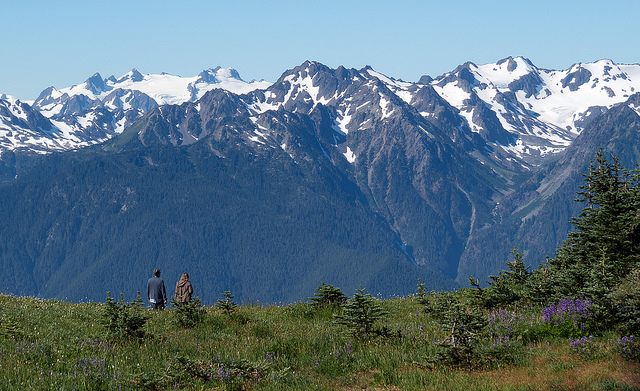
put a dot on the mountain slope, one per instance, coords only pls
(536, 216)
(268, 223)
(431, 192)
(98, 109)
(342, 175)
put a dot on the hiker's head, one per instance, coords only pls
(185, 276)
(156, 272)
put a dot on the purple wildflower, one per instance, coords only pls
(581, 345)
(568, 311)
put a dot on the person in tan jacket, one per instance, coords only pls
(184, 290)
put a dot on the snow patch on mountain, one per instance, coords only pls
(403, 90)
(350, 156)
(163, 89)
(512, 105)
(635, 108)
(562, 98)
(341, 123)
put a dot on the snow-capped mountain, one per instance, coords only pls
(97, 109)
(398, 136)
(517, 110)
(23, 127)
(442, 176)
(352, 121)
(544, 109)
(510, 112)
(142, 92)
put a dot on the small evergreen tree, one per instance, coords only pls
(425, 298)
(361, 312)
(124, 320)
(606, 240)
(189, 314)
(508, 287)
(227, 305)
(421, 293)
(463, 326)
(326, 296)
(541, 286)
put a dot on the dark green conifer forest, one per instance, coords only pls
(87, 222)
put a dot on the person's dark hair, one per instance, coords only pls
(156, 272)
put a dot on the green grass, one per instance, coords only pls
(51, 345)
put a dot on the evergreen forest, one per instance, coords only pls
(82, 223)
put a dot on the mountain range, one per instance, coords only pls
(339, 175)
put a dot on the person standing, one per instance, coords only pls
(184, 289)
(156, 292)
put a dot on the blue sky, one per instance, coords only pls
(61, 43)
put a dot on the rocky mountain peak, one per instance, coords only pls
(133, 76)
(96, 84)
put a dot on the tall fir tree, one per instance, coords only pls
(604, 246)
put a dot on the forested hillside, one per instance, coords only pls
(536, 217)
(88, 222)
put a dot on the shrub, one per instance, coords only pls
(185, 373)
(503, 326)
(463, 327)
(629, 348)
(501, 355)
(570, 318)
(626, 306)
(584, 346)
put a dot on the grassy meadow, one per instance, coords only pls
(52, 345)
